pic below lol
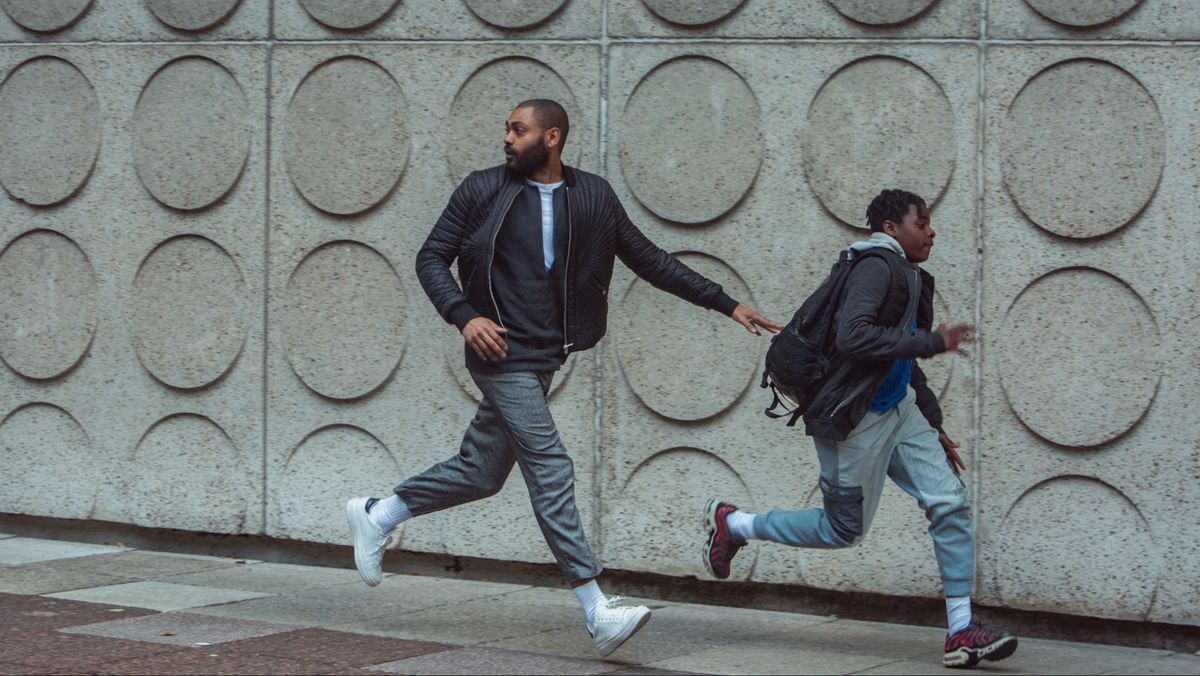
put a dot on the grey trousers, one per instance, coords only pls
(513, 425)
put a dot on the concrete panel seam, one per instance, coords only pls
(267, 264)
(598, 371)
(137, 43)
(980, 212)
(602, 41)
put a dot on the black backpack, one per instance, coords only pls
(803, 354)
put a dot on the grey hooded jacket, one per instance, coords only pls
(874, 324)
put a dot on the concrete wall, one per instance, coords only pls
(209, 317)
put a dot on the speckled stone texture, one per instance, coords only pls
(210, 318)
(1087, 387)
(182, 20)
(132, 322)
(437, 19)
(795, 18)
(1093, 19)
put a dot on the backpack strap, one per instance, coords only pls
(777, 402)
(895, 262)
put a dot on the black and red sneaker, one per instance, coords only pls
(968, 647)
(720, 548)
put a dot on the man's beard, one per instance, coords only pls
(529, 161)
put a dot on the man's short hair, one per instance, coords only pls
(549, 114)
(891, 205)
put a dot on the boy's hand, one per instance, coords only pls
(957, 337)
(486, 338)
(951, 449)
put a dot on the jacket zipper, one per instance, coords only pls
(567, 271)
(916, 306)
(492, 257)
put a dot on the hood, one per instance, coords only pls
(878, 240)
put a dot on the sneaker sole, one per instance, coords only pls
(710, 527)
(356, 513)
(617, 641)
(964, 658)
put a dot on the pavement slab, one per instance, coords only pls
(334, 648)
(356, 606)
(1171, 664)
(98, 570)
(475, 660)
(519, 612)
(673, 630)
(22, 613)
(197, 661)
(224, 560)
(1037, 656)
(890, 641)
(162, 596)
(574, 642)
(45, 651)
(55, 576)
(713, 626)
(183, 629)
(763, 658)
(15, 551)
(645, 671)
(147, 565)
(268, 578)
(1045, 656)
(919, 667)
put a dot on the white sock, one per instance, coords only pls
(389, 513)
(958, 612)
(589, 596)
(741, 525)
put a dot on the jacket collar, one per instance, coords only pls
(569, 177)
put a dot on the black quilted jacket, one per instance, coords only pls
(598, 230)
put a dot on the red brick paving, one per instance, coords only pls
(203, 661)
(47, 649)
(30, 643)
(21, 613)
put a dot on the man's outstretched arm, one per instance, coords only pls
(666, 272)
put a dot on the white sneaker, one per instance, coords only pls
(616, 624)
(370, 542)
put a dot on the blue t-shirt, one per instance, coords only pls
(893, 388)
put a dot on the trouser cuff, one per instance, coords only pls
(958, 587)
(577, 575)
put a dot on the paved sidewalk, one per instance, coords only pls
(79, 608)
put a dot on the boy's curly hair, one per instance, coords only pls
(891, 205)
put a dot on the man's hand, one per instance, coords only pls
(957, 337)
(752, 320)
(951, 449)
(486, 337)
